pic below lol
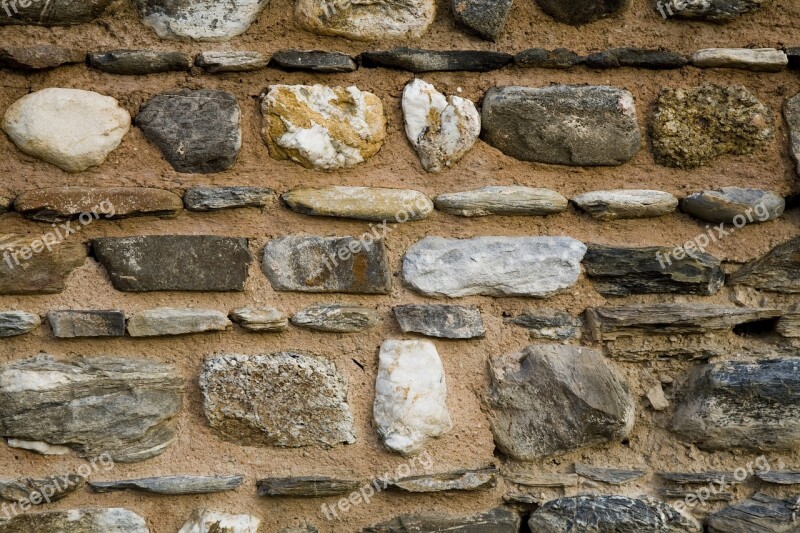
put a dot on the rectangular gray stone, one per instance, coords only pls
(74, 323)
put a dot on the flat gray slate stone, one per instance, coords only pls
(336, 318)
(549, 324)
(265, 319)
(313, 61)
(234, 61)
(25, 489)
(216, 198)
(418, 60)
(741, 405)
(560, 58)
(563, 124)
(306, 487)
(125, 407)
(611, 476)
(111, 520)
(585, 11)
(550, 480)
(174, 262)
(637, 58)
(699, 478)
(778, 270)
(196, 131)
(499, 520)
(444, 321)
(485, 18)
(508, 200)
(140, 62)
(729, 204)
(13, 323)
(39, 56)
(626, 203)
(460, 480)
(493, 266)
(759, 512)
(327, 264)
(682, 494)
(784, 477)
(618, 271)
(168, 321)
(54, 13)
(93, 323)
(172, 485)
(718, 11)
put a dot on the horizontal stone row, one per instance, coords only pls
(198, 131)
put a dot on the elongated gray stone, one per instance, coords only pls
(757, 60)
(624, 204)
(337, 318)
(234, 61)
(55, 13)
(699, 478)
(759, 512)
(778, 270)
(199, 20)
(172, 485)
(313, 61)
(33, 490)
(617, 271)
(418, 60)
(549, 324)
(551, 480)
(499, 520)
(551, 399)
(58, 204)
(195, 262)
(460, 480)
(206, 521)
(110, 520)
(718, 11)
(259, 319)
(582, 12)
(307, 487)
(14, 323)
(29, 267)
(511, 200)
(94, 405)
(560, 58)
(791, 112)
(39, 56)
(216, 198)
(682, 494)
(362, 203)
(284, 399)
(563, 124)
(742, 405)
(601, 513)
(734, 205)
(91, 323)
(327, 264)
(493, 266)
(783, 477)
(482, 17)
(140, 62)
(445, 321)
(611, 476)
(637, 58)
(169, 321)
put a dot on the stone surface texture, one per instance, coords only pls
(140, 62)
(313, 61)
(216, 198)
(626, 203)
(219, 62)
(89, 323)
(39, 56)
(501, 200)
(778, 270)
(13, 323)
(111, 520)
(199, 20)
(336, 318)
(727, 204)
(206, 521)
(169, 321)
(366, 21)
(582, 12)
(53, 204)
(791, 112)
(362, 203)
(718, 11)
(485, 18)
(172, 485)
(266, 319)
(758, 60)
(45, 272)
(56, 13)
(445, 321)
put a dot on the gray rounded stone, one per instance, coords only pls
(482, 17)
(583, 11)
(734, 204)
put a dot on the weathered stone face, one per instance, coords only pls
(636, 57)
(718, 11)
(216, 198)
(283, 399)
(759, 511)
(140, 62)
(14, 323)
(313, 61)
(481, 479)
(362, 203)
(791, 112)
(377, 20)
(549, 324)
(199, 20)
(265, 319)
(55, 13)
(756, 60)
(622, 204)
(39, 56)
(55, 204)
(337, 318)
(483, 17)
(551, 399)
(322, 127)
(215, 62)
(77, 521)
(729, 204)
(421, 60)
(168, 321)
(172, 485)
(29, 267)
(447, 321)
(500, 520)
(91, 323)
(501, 200)
(778, 270)
(308, 487)
(25, 489)
(95, 405)
(205, 521)
(582, 12)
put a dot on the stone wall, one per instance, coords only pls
(478, 267)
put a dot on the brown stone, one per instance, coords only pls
(28, 266)
(68, 203)
(40, 56)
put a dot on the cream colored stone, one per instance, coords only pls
(362, 203)
(370, 20)
(205, 521)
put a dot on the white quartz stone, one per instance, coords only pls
(757, 59)
(200, 20)
(39, 447)
(205, 521)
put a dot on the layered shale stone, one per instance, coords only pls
(32, 490)
(216, 198)
(259, 319)
(789, 323)
(362, 203)
(445, 321)
(140, 62)
(172, 485)
(56, 13)
(485, 18)
(499, 520)
(77, 521)
(758, 60)
(583, 12)
(313, 61)
(742, 405)
(759, 512)
(93, 323)
(327, 264)
(694, 126)
(480, 479)
(734, 205)
(698, 478)
(563, 124)
(682, 494)
(778, 270)
(783, 477)
(601, 513)
(125, 408)
(637, 58)
(418, 60)
(54, 204)
(542, 480)
(652, 270)
(30, 267)
(626, 203)
(551, 399)
(337, 318)
(549, 324)
(39, 56)
(493, 266)
(284, 399)
(196, 131)
(441, 129)
(374, 21)
(718, 11)
(560, 58)
(205, 521)
(791, 112)
(196, 262)
(611, 476)
(199, 20)
(44, 124)
(13, 323)
(322, 127)
(501, 200)
(168, 321)
(307, 487)
(234, 61)
(410, 396)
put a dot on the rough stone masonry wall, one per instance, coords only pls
(686, 366)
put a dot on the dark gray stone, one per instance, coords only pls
(785, 477)
(542, 480)
(417, 60)
(172, 485)
(313, 61)
(611, 476)
(461, 480)
(93, 323)
(636, 57)
(306, 487)
(337, 318)
(140, 62)
(550, 324)
(327, 264)
(682, 494)
(560, 58)
(718, 11)
(38, 57)
(727, 204)
(759, 512)
(755, 406)
(699, 478)
(485, 18)
(778, 270)
(174, 262)
(497, 520)
(445, 321)
(196, 131)
(33, 490)
(216, 198)
(13, 323)
(76, 521)
(562, 124)
(53, 13)
(794, 56)
(585, 11)
(617, 271)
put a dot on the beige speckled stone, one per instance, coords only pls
(366, 21)
(362, 203)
